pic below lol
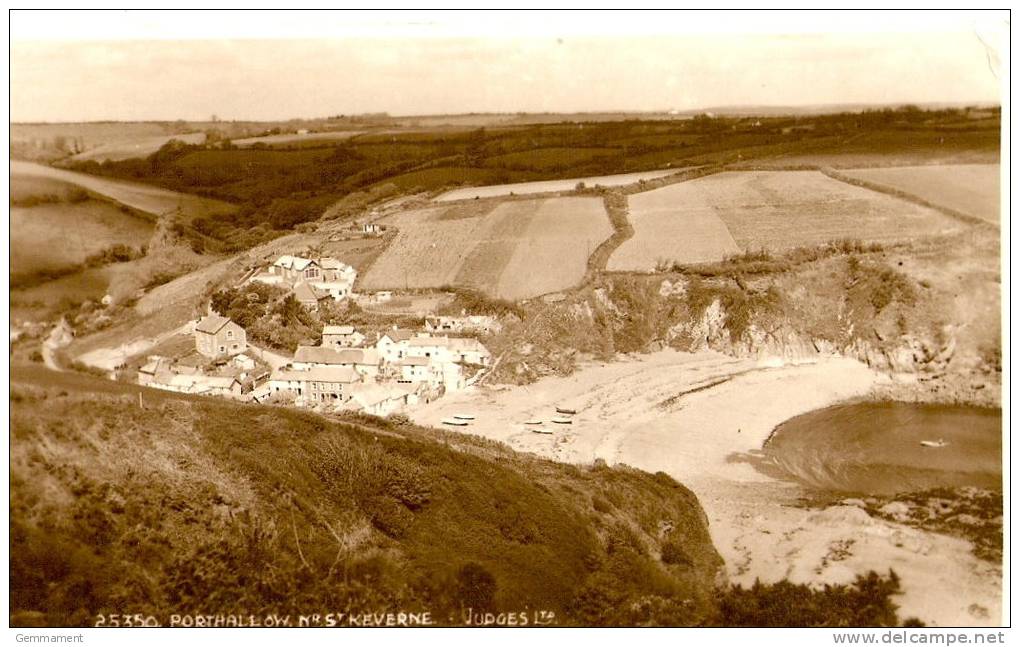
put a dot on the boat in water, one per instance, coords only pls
(463, 416)
(454, 422)
(934, 443)
(563, 421)
(568, 412)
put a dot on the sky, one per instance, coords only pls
(474, 64)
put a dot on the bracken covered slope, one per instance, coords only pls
(178, 505)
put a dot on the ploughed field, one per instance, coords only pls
(972, 189)
(513, 250)
(715, 216)
(547, 186)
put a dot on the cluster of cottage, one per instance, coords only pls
(401, 368)
(394, 369)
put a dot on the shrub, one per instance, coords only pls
(406, 482)
(601, 504)
(673, 553)
(388, 515)
(475, 587)
(865, 603)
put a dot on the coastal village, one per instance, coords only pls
(380, 373)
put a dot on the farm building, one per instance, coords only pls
(217, 336)
(320, 383)
(341, 337)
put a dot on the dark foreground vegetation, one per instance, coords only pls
(280, 187)
(182, 505)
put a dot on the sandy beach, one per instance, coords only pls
(694, 416)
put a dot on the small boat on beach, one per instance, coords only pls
(541, 431)
(934, 443)
(568, 412)
(463, 416)
(454, 422)
(563, 421)
(532, 422)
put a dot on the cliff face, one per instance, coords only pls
(928, 318)
(165, 505)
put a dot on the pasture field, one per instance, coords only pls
(142, 197)
(56, 235)
(515, 250)
(288, 139)
(55, 225)
(972, 189)
(546, 186)
(135, 148)
(706, 219)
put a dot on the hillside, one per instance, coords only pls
(183, 504)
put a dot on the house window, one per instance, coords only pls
(230, 334)
(223, 349)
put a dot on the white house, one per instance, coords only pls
(326, 276)
(466, 350)
(392, 344)
(320, 383)
(417, 369)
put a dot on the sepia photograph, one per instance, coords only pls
(462, 319)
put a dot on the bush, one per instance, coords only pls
(865, 603)
(673, 553)
(388, 515)
(475, 587)
(601, 505)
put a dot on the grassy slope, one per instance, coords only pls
(201, 504)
